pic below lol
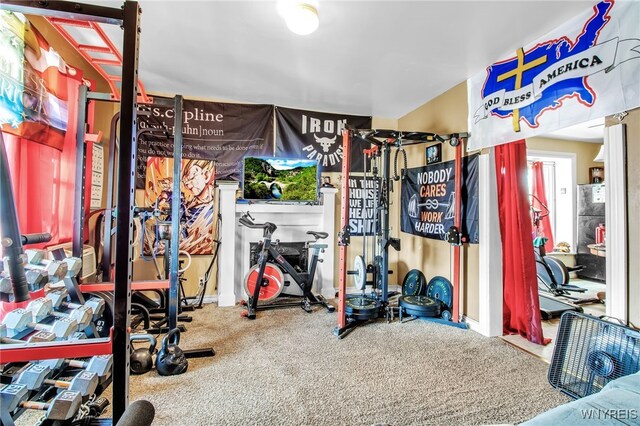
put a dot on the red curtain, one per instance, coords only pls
(544, 227)
(521, 307)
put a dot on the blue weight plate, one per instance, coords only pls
(414, 283)
(440, 288)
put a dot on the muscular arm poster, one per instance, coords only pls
(318, 136)
(428, 195)
(216, 131)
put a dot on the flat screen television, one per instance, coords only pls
(280, 179)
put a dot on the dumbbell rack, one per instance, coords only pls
(128, 18)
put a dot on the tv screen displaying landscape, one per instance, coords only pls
(280, 179)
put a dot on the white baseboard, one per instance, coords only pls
(473, 325)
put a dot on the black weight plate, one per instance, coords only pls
(420, 306)
(414, 283)
(105, 322)
(361, 307)
(440, 288)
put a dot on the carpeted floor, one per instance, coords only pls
(286, 368)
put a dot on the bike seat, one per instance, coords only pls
(318, 235)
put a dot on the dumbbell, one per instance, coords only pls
(42, 307)
(36, 375)
(100, 364)
(37, 257)
(55, 269)
(59, 299)
(19, 320)
(62, 407)
(40, 336)
(36, 279)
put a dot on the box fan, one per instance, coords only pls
(590, 352)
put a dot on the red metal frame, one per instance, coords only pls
(457, 223)
(75, 349)
(85, 51)
(135, 286)
(344, 224)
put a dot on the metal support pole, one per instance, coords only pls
(124, 209)
(108, 213)
(81, 164)
(344, 223)
(174, 285)
(457, 222)
(384, 221)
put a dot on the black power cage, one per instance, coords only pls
(128, 18)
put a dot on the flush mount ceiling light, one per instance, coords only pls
(301, 17)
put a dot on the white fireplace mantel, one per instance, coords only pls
(292, 220)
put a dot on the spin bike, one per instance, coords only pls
(265, 281)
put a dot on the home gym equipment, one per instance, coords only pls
(37, 259)
(141, 360)
(99, 364)
(435, 304)
(19, 320)
(40, 336)
(264, 281)
(37, 375)
(414, 283)
(59, 300)
(42, 308)
(171, 360)
(590, 352)
(354, 310)
(553, 275)
(63, 407)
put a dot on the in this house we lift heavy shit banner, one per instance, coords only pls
(586, 69)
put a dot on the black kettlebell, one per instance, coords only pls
(171, 359)
(141, 360)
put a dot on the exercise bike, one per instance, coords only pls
(553, 274)
(265, 281)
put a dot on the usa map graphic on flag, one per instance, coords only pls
(521, 77)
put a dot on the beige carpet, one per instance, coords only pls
(286, 368)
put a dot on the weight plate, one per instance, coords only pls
(414, 283)
(361, 307)
(420, 306)
(272, 282)
(360, 278)
(440, 288)
(105, 322)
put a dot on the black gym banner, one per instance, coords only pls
(318, 136)
(428, 195)
(362, 203)
(216, 131)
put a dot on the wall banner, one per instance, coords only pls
(428, 195)
(362, 206)
(216, 131)
(586, 69)
(318, 136)
(196, 200)
(34, 84)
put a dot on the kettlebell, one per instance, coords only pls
(171, 360)
(141, 360)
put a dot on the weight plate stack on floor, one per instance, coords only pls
(361, 307)
(420, 306)
(440, 289)
(414, 283)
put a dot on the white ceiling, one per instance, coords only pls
(382, 58)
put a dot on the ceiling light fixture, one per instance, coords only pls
(301, 17)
